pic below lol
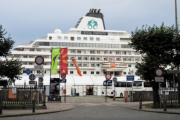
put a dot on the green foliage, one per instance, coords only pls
(5, 43)
(9, 67)
(157, 45)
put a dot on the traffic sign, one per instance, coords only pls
(39, 75)
(39, 60)
(28, 71)
(32, 82)
(130, 77)
(32, 77)
(173, 71)
(62, 80)
(40, 79)
(63, 76)
(166, 92)
(159, 72)
(39, 67)
(159, 79)
(108, 81)
(108, 76)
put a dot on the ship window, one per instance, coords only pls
(79, 51)
(72, 38)
(105, 59)
(78, 38)
(25, 56)
(90, 44)
(92, 52)
(97, 39)
(31, 49)
(92, 72)
(110, 59)
(79, 58)
(97, 72)
(117, 53)
(84, 72)
(71, 72)
(94, 45)
(97, 65)
(25, 63)
(84, 44)
(110, 52)
(105, 72)
(129, 65)
(104, 46)
(84, 38)
(98, 52)
(81, 45)
(30, 63)
(92, 65)
(84, 65)
(98, 59)
(59, 37)
(24, 71)
(38, 49)
(118, 59)
(91, 38)
(66, 37)
(124, 73)
(110, 46)
(50, 37)
(79, 65)
(124, 59)
(54, 44)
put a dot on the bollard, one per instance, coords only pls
(33, 106)
(164, 105)
(140, 104)
(1, 106)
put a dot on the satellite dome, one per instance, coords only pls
(57, 31)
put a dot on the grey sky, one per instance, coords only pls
(27, 20)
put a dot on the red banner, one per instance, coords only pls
(63, 62)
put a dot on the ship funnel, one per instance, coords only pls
(99, 11)
(90, 11)
(95, 11)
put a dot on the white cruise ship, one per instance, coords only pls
(97, 51)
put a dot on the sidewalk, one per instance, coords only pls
(135, 106)
(51, 108)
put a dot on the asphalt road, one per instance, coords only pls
(99, 112)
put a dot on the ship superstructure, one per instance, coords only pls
(96, 50)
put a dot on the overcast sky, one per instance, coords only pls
(27, 20)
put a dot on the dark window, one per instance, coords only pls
(97, 72)
(72, 38)
(129, 65)
(50, 38)
(120, 84)
(105, 72)
(24, 71)
(71, 72)
(129, 84)
(92, 72)
(137, 83)
(84, 72)
(111, 73)
(124, 73)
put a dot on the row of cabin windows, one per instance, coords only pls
(78, 38)
(84, 72)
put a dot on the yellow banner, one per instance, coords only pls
(55, 56)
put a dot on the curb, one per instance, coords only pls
(3, 116)
(165, 112)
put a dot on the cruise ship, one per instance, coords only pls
(97, 51)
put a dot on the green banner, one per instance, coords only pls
(54, 62)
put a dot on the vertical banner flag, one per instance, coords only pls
(64, 67)
(55, 56)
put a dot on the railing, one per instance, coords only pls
(23, 97)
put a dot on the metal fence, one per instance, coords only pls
(24, 96)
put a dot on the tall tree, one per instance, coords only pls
(156, 44)
(9, 67)
(5, 43)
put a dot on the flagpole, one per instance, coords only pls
(59, 73)
(50, 70)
